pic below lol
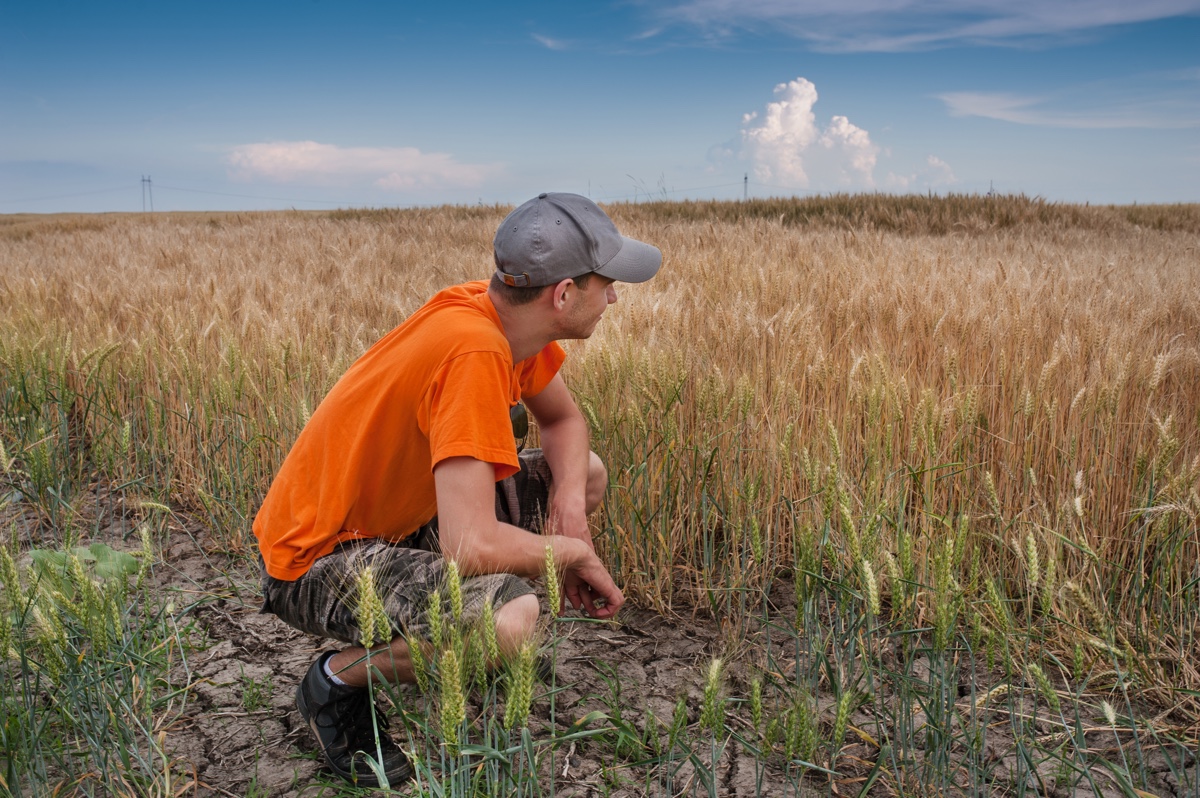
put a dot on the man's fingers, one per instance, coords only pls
(589, 604)
(581, 595)
(612, 601)
(588, 583)
(572, 594)
(611, 605)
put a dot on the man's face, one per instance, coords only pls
(587, 305)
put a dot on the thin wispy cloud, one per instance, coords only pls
(389, 168)
(900, 25)
(786, 145)
(1165, 101)
(550, 43)
(934, 173)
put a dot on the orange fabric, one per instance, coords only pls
(439, 385)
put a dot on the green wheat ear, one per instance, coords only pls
(679, 723)
(51, 635)
(453, 701)
(895, 582)
(475, 665)
(1044, 687)
(1033, 568)
(841, 720)
(756, 708)
(800, 728)
(712, 715)
(872, 588)
(993, 496)
(491, 644)
(7, 649)
(372, 618)
(454, 589)
(521, 676)
(147, 555)
(12, 581)
(553, 595)
(420, 666)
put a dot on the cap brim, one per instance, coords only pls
(636, 262)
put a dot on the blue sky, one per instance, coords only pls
(320, 104)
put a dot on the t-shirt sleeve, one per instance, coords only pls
(534, 373)
(467, 412)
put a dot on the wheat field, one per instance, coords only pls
(977, 419)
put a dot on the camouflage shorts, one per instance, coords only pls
(322, 601)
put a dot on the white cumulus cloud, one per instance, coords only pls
(390, 168)
(786, 144)
(939, 172)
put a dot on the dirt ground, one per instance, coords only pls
(235, 751)
(240, 734)
(651, 660)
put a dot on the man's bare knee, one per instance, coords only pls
(516, 621)
(597, 482)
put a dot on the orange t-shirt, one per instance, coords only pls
(439, 385)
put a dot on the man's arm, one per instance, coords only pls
(471, 536)
(564, 436)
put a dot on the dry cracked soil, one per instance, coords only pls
(239, 733)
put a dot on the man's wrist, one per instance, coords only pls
(568, 502)
(568, 551)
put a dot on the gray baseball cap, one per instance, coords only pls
(556, 236)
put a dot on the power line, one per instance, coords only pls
(648, 193)
(251, 196)
(147, 187)
(795, 190)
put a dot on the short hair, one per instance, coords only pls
(514, 295)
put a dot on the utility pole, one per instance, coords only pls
(147, 187)
(745, 186)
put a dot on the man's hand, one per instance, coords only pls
(471, 536)
(587, 585)
(572, 524)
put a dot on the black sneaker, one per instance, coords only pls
(341, 719)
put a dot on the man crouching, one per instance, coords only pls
(410, 461)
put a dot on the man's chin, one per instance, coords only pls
(578, 334)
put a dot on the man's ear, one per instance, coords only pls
(560, 293)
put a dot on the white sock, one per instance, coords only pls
(333, 677)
